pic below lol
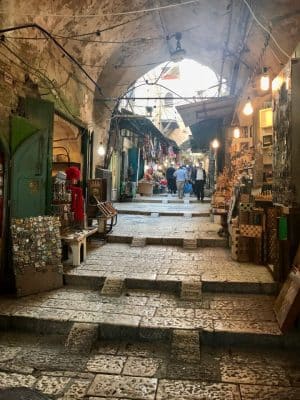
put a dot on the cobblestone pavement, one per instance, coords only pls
(155, 340)
(160, 198)
(120, 370)
(142, 309)
(164, 263)
(162, 227)
(194, 208)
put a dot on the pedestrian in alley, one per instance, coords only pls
(199, 179)
(181, 177)
(171, 179)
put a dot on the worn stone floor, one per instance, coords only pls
(166, 227)
(143, 310)
(137, 321)
(180, 368)
(172, 263)
(195, 209)
(170, 198)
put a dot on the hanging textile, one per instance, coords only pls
(77, 206)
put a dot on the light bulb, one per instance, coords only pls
(265, 82)
(215, 144)
(248, 109)
(236, 133)
(276, 84)
(101, 150)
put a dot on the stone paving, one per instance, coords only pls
(126, 370)
(142, 310)
(166, 227)
(161, 263)
(196, 209)
(144, 322)
(164, 198)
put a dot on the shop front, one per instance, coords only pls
(144, 153)
(258, 192)
(34, 204)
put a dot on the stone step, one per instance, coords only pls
(189, 244)
(112, 286)
(190, 290)
(185, 346)
(138, 242)
(169, 283)
(81, 338)
(37, 367)
(165, 213)
(172, 200)
(168, 241)
(148, 315)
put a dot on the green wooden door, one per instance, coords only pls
(28, 177)
(31, 155)
(31, 149)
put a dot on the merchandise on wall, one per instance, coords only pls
(36, 248)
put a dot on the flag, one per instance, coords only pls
(171, 72)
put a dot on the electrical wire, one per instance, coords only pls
(266, 30)
(117, 66)
(164, 68)
(46, 33)
(99, 31)
(275, 56)
(65, 52)
(185, 3)
(44, 78)
(133, 41)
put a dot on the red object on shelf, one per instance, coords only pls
(73, 174)
(77, 203)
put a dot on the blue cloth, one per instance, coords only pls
(180, 175)
(187, 187)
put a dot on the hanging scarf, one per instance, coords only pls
(77, 203)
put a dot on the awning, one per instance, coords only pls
(140, 126)
(217, 108)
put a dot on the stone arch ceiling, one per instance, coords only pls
(204, 25)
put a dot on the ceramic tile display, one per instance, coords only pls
(36, 247)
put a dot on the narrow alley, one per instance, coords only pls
(171, 320)
(149, 200)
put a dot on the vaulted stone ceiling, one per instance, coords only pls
(221, 34)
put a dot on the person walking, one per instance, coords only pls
(181, 176)
(171, 179)
(199, 177)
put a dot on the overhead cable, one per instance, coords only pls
(102, 15)
(133, 41)
(73, 59)
(266, 30)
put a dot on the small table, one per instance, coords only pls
(76, 241)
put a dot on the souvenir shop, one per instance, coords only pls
(257, 195)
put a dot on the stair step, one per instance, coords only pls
(81, 338)
(187, 215)
(186, 345)
(190, 244)
(190, 290)
(113, 287)
(138, 242)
